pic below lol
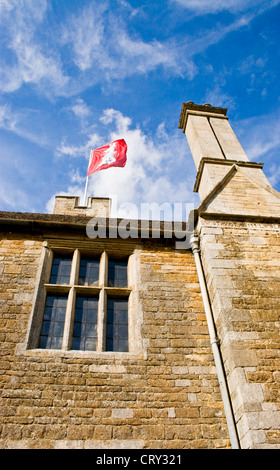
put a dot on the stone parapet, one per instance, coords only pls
(95, 207)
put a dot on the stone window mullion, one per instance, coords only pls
(74, 276)
(103, 274)
(70, 309)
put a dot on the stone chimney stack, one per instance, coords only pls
(209, 133)
(213, 144)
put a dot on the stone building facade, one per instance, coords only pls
(130, 342)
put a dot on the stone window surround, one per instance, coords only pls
(131, 293)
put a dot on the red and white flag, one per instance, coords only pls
(113, 154)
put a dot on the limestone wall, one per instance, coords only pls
(242, 266)
(167, 396)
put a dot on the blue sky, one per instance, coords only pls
(77, 74)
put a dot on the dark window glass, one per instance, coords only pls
(61, 269)
(85, 324)
(89, 271)
(117, 274)
(53, 322)
(117, 325)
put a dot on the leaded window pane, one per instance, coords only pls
(85, 324)
(117, 274)
(61, 268)
(89, 272)
(53, 322)
(117, 325)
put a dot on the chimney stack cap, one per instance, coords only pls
(205, 108)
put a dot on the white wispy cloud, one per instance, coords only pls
(76, 151)
(28, 60)
(33, 10)
(274, 175)
(13, 197)
(8, 118)
(98, 43)
(15, 121)
(215, 6)
(70, 150)
(80, 109)
(102, 43)
(216, 96)
(103, 46)
(261, 135)
(98, 46)
(260, 138)
(85, 34)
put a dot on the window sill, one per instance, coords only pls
(75, 354)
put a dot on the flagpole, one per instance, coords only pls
(86, 187)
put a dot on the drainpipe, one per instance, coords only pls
(194, 240)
